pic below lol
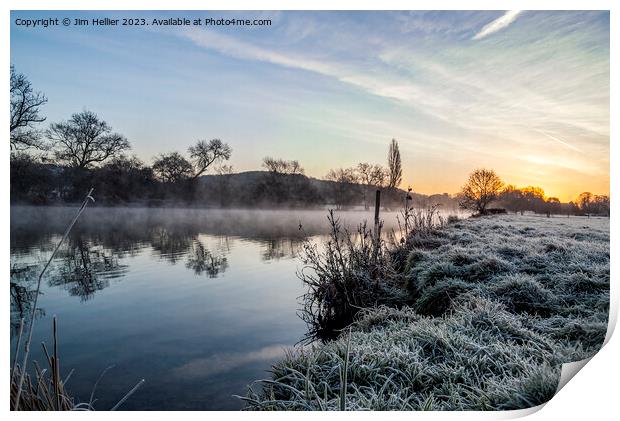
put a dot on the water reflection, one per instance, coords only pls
(281, 248)
(202, 368)
(169, 243)
(202, 261)
(129, 288)
(93, 255)
(83, 269)
(23, 288)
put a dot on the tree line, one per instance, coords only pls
(59, 163)
(484, 187)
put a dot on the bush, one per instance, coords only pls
(350, 273)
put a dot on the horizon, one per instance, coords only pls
(523, 93)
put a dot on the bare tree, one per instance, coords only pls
(601, 204)
(280, 166)
(273, 165)
(395, 171)
(294, 167)
(554, 206)
(589, 203)
(204, 153)
(85, 140)
(172, 168)
(534, 198)
(372, 176)
(343, 175)
(584, 202)
(512, 198)
(224, 170)
(344, 189)
(482, 188)
(25, 103)
(222, 187)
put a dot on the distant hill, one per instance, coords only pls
(127, 183)
(264, 188)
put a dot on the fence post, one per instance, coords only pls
(377, 207)
(377, 237)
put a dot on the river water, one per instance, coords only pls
(199, 303)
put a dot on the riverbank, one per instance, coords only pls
(491, 308)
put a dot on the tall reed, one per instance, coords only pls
(46, 390)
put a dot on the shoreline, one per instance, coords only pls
(494, 306)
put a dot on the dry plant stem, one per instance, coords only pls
(17, 345)
(36, 297)
(131, 392)
(56, 368)
(91, 401)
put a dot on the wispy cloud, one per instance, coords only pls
(387, 84)
(483, 101)
(395, 88)
(498, 24)
(560, 141)
(242, 50)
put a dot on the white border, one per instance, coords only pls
(592, 394)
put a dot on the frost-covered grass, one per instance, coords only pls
(493, 307)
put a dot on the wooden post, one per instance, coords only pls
(377, 237)
(377, 206)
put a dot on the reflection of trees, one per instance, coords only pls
(22, 295)
(122, 240)
(280, 248)
(198, 238)
(171, 244)
(201, 260)
(83, 269)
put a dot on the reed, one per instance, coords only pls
(45, 389)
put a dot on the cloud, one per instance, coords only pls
(560, 141)
(382, 85)
(498, 24)
(242, 50)
(475, 94)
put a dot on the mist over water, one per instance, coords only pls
(198, 302)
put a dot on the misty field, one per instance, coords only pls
(488, 310)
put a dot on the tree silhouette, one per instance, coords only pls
(172, 168)
(344, 187)
(25, 104)
(372, 176)
(482, 187)
(85, 139)
(280, 166)
(395, 171)
(204, 153)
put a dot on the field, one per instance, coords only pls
(490, 308)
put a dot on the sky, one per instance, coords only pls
(524, 93)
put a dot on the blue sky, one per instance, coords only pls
(524, 93)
